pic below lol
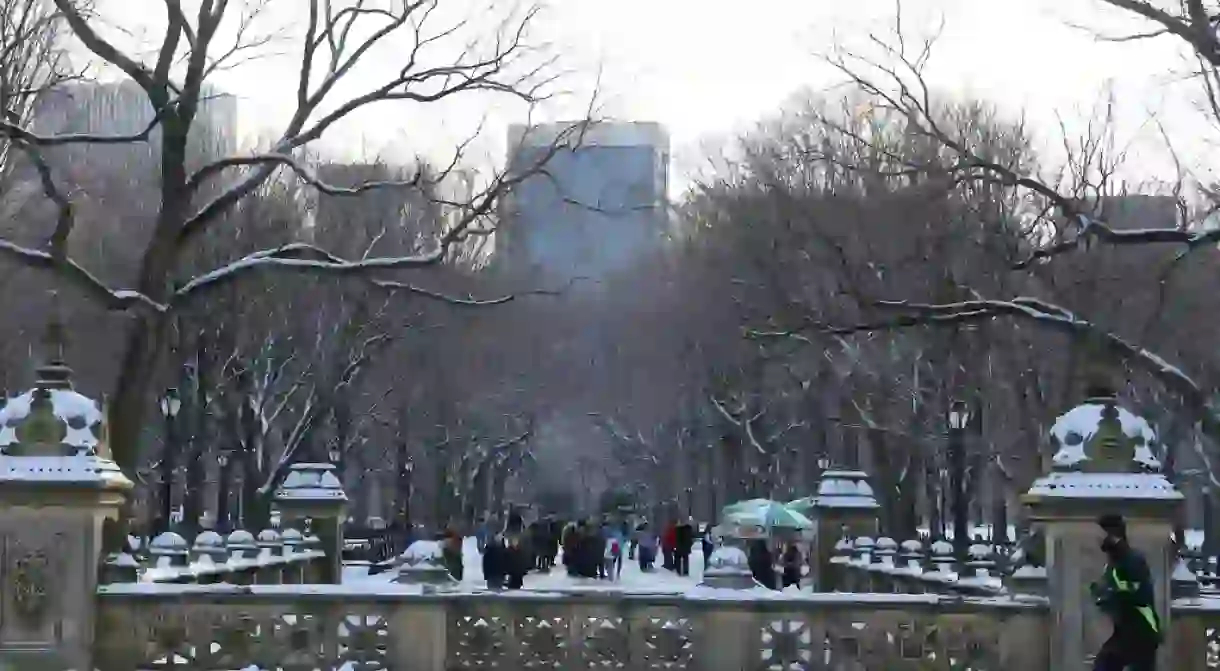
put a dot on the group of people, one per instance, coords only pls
(678, 541)
(510, 555)
(594, 549)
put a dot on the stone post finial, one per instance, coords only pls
(54, 372)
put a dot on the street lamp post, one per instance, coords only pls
(406, 488)
(223, 513)
(170, 405)
(959, 419)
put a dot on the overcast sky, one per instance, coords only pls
(706, 68)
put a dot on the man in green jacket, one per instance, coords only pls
(1125, 593)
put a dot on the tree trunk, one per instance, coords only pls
(129, 408)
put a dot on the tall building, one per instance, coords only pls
(1140, 211)
(122, 108)
(597, 205)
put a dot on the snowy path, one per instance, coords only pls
(632, 579)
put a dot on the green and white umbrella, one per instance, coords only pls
(749, 504)
(803, 506)
(766, 514)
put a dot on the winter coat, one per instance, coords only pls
(1125, 593)
(792, 566)
(614, 546)
(684, 538)
(762, 564)
(515, 566)
(590, 554)
(571, 543)
(495, 559)
(669, 540)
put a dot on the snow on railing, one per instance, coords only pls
(271, 557)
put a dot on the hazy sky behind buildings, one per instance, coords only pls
(706, 68)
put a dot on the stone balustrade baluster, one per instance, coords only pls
(243, 554)
(169, 555)
(909, 573)
(270, 557)
(880, 572)
(293, 547)
(1184, 583)
(208, 557)
(317, 569)
(941, 578)
(862, 558)
(977, 576)
(839, 567)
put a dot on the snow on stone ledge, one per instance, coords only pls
(79, 413)
(309, 481)
(1075, 428)
(1105, 486)
(79, 470)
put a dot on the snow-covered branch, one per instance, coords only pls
(737, 417)
(896, 83)
(87, 282)
(1041, 313)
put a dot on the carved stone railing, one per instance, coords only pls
(240, 558)
(227, 627)
(1195, 633)
(882, 565)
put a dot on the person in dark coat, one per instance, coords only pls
(669, 539)
(1125, 592)
(684, 540)
(705, 541)
(516, 564)
(791, 562)
(647, 542)
(591, 547)
(495, 559)
(762, 564)
(571, 549)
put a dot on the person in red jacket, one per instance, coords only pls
(669, 542)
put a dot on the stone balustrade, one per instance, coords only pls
(214, 627)
(270, 558)
(885, 566)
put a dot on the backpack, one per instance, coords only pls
(615, 551)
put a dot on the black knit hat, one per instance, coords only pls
(1114, 524)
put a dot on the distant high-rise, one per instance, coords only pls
(1140, 211)
(598, 205)
(123, 109)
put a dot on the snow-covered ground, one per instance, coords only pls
(632, 579)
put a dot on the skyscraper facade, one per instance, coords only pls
(596, 205)
(122, 108)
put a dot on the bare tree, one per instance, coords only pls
(191, 201)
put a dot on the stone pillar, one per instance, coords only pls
(312, 491)
(57, 486)
(843, 507)
(1103, 465)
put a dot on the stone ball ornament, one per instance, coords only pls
(52, 419)
(1100, 434)
(54, 435)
